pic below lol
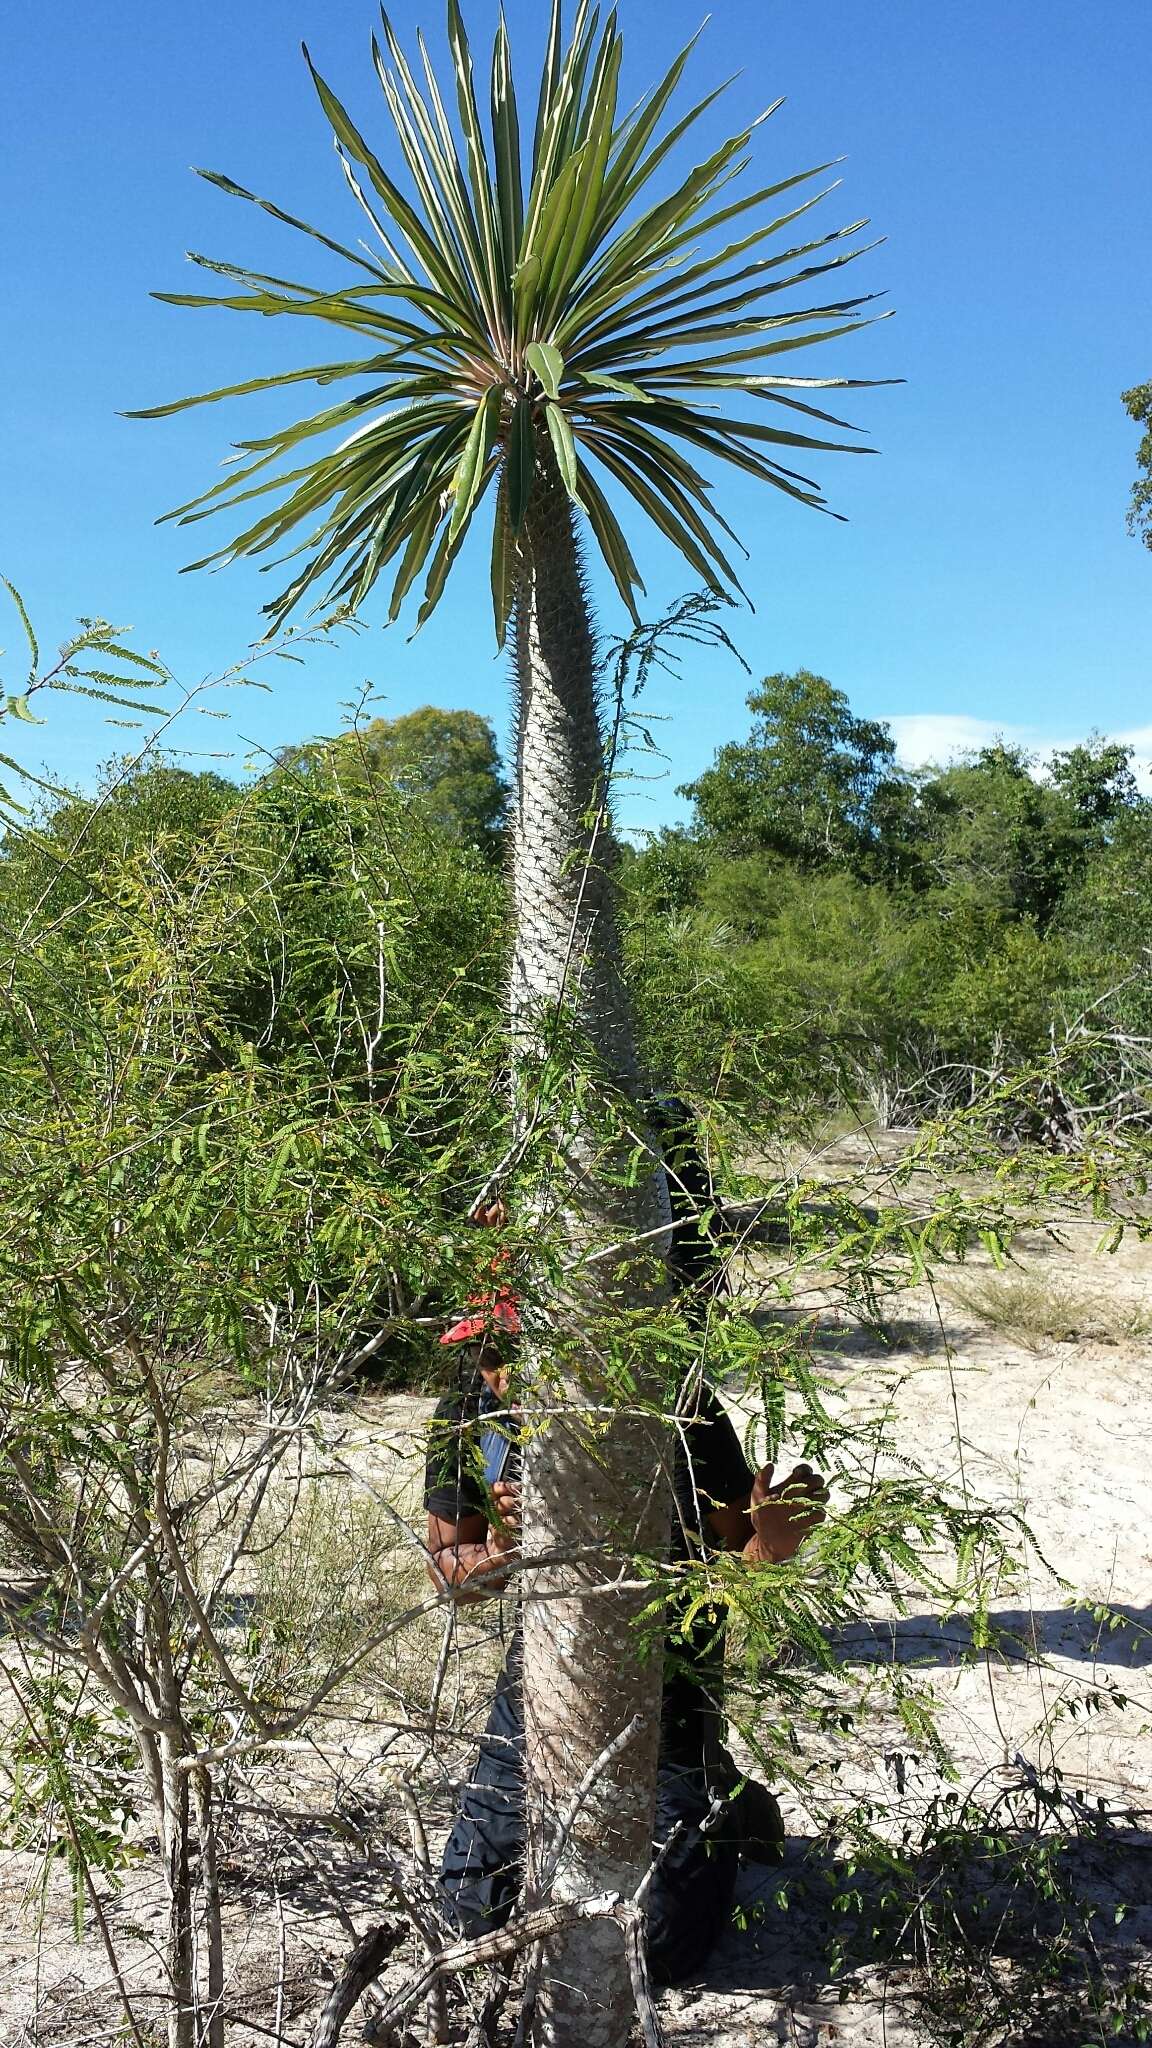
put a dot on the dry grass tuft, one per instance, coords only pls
(333, 1569)
(1038, 1308)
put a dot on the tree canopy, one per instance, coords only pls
(446, 764)
(810, 784)
(567, 306)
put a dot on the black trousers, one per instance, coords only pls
(691, 1893)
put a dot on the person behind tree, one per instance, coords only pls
(473, 1541)
(694, 1257)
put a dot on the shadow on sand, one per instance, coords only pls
(1122, 1640)
(857, 1931)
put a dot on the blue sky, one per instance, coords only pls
(984, 581)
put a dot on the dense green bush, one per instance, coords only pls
(270, 1015)
(906, 942)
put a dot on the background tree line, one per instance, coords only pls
(935, 931)
(886, 942)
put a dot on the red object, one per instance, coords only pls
(493, 1312)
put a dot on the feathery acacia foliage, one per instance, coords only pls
(570, 303)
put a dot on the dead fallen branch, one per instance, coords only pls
(460, 1957)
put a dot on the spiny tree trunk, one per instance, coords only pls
(584, 1488)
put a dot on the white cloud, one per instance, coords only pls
(932, 738)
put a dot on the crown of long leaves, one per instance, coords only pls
(574, 305)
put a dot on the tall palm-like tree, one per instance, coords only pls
(561, 328)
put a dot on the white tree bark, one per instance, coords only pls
(591, 1480)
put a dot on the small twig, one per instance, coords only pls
(281, 1961)
(645, 1883)
(480, 2034)
(636, 1950)
(437, 2004)
(567, 1820)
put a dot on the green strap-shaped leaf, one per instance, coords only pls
(573, 168)
(543, 229)
(633, 138)
(478, 167)
(692, 426)
(505, 565)
(658, 222)
(686, 335)
(521, 463)
(788, 342)
(685, 490)
(569, 110)
(549, 74)
(426, 245)
(428, 144)
(548, 364)
(467, 480)
(720, 294)
(711, 269)
(290, 220)
(344, 309)
(619, 384)
(400, 425)
(566, 258)
(564, 446)
(660, 513)
(324, 373)
(549, 154)
(506, 147)
(415, 555)
(448, 547)
(447, 315)
(611, 542)
(400, 266)
(736, 207)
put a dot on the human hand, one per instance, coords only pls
(784, 1514)
(504, 1535)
